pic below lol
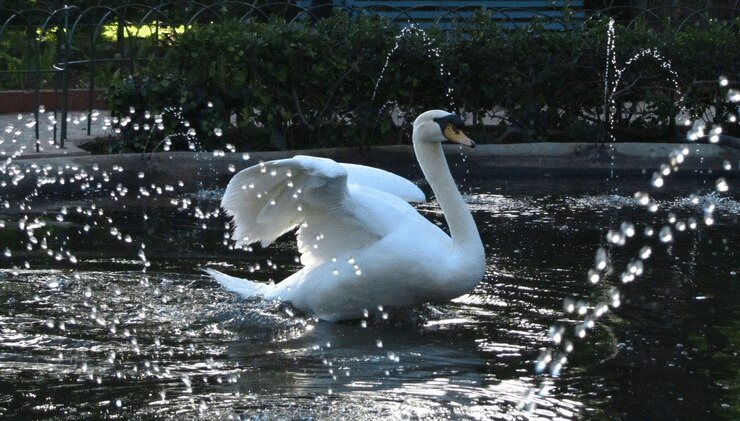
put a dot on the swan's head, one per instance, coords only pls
(440, 126)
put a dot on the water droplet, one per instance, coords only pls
(696, 131)
(721, 185)
(593, 276)
(543, 360)
(601, 260)
(657, 180)
(569, 305)
(680, 226)
(636, 267)
(581, 307)
(645, 252)
(614, 297)
(580, 331)
(671, 217)
(665, 235)
(627, 229)
(556, 333)
(692, 223)
(601, 309)
(557, 365)
(642, 198)
(733, 95)
(665, 169)
(615, 237)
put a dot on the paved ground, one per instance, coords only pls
(18, 134)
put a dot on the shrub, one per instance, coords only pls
(273, 85)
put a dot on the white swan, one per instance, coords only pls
(362, 245)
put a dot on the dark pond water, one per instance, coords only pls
(104, 313)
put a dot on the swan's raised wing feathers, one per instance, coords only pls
(270, 199)
(382, 180)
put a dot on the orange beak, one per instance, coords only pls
(455, 135)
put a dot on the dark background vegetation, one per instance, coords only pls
(273, 81)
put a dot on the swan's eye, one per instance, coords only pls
(449, 122)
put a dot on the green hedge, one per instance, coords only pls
(271, 85)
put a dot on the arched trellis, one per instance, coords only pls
(70, 21)
(656, 15)
(40, 22)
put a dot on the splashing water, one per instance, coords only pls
(613, 76)
(552, 360)
(432, 52)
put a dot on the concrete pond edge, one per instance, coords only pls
(192, 171)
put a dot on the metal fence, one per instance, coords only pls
(52, 49)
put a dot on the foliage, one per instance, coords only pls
(266, 84)
(275, 85)
(28, 58)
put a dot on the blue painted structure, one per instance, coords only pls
(552, 13)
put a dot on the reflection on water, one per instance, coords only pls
(104, 311)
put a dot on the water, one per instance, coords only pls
(432, 53)
(613, 80)
(106, 311)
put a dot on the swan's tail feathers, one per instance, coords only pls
(243, 287)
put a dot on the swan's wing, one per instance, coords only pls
(271, 198)
(335, 219)
(384, 181)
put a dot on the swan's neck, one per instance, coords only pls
(433, 164)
